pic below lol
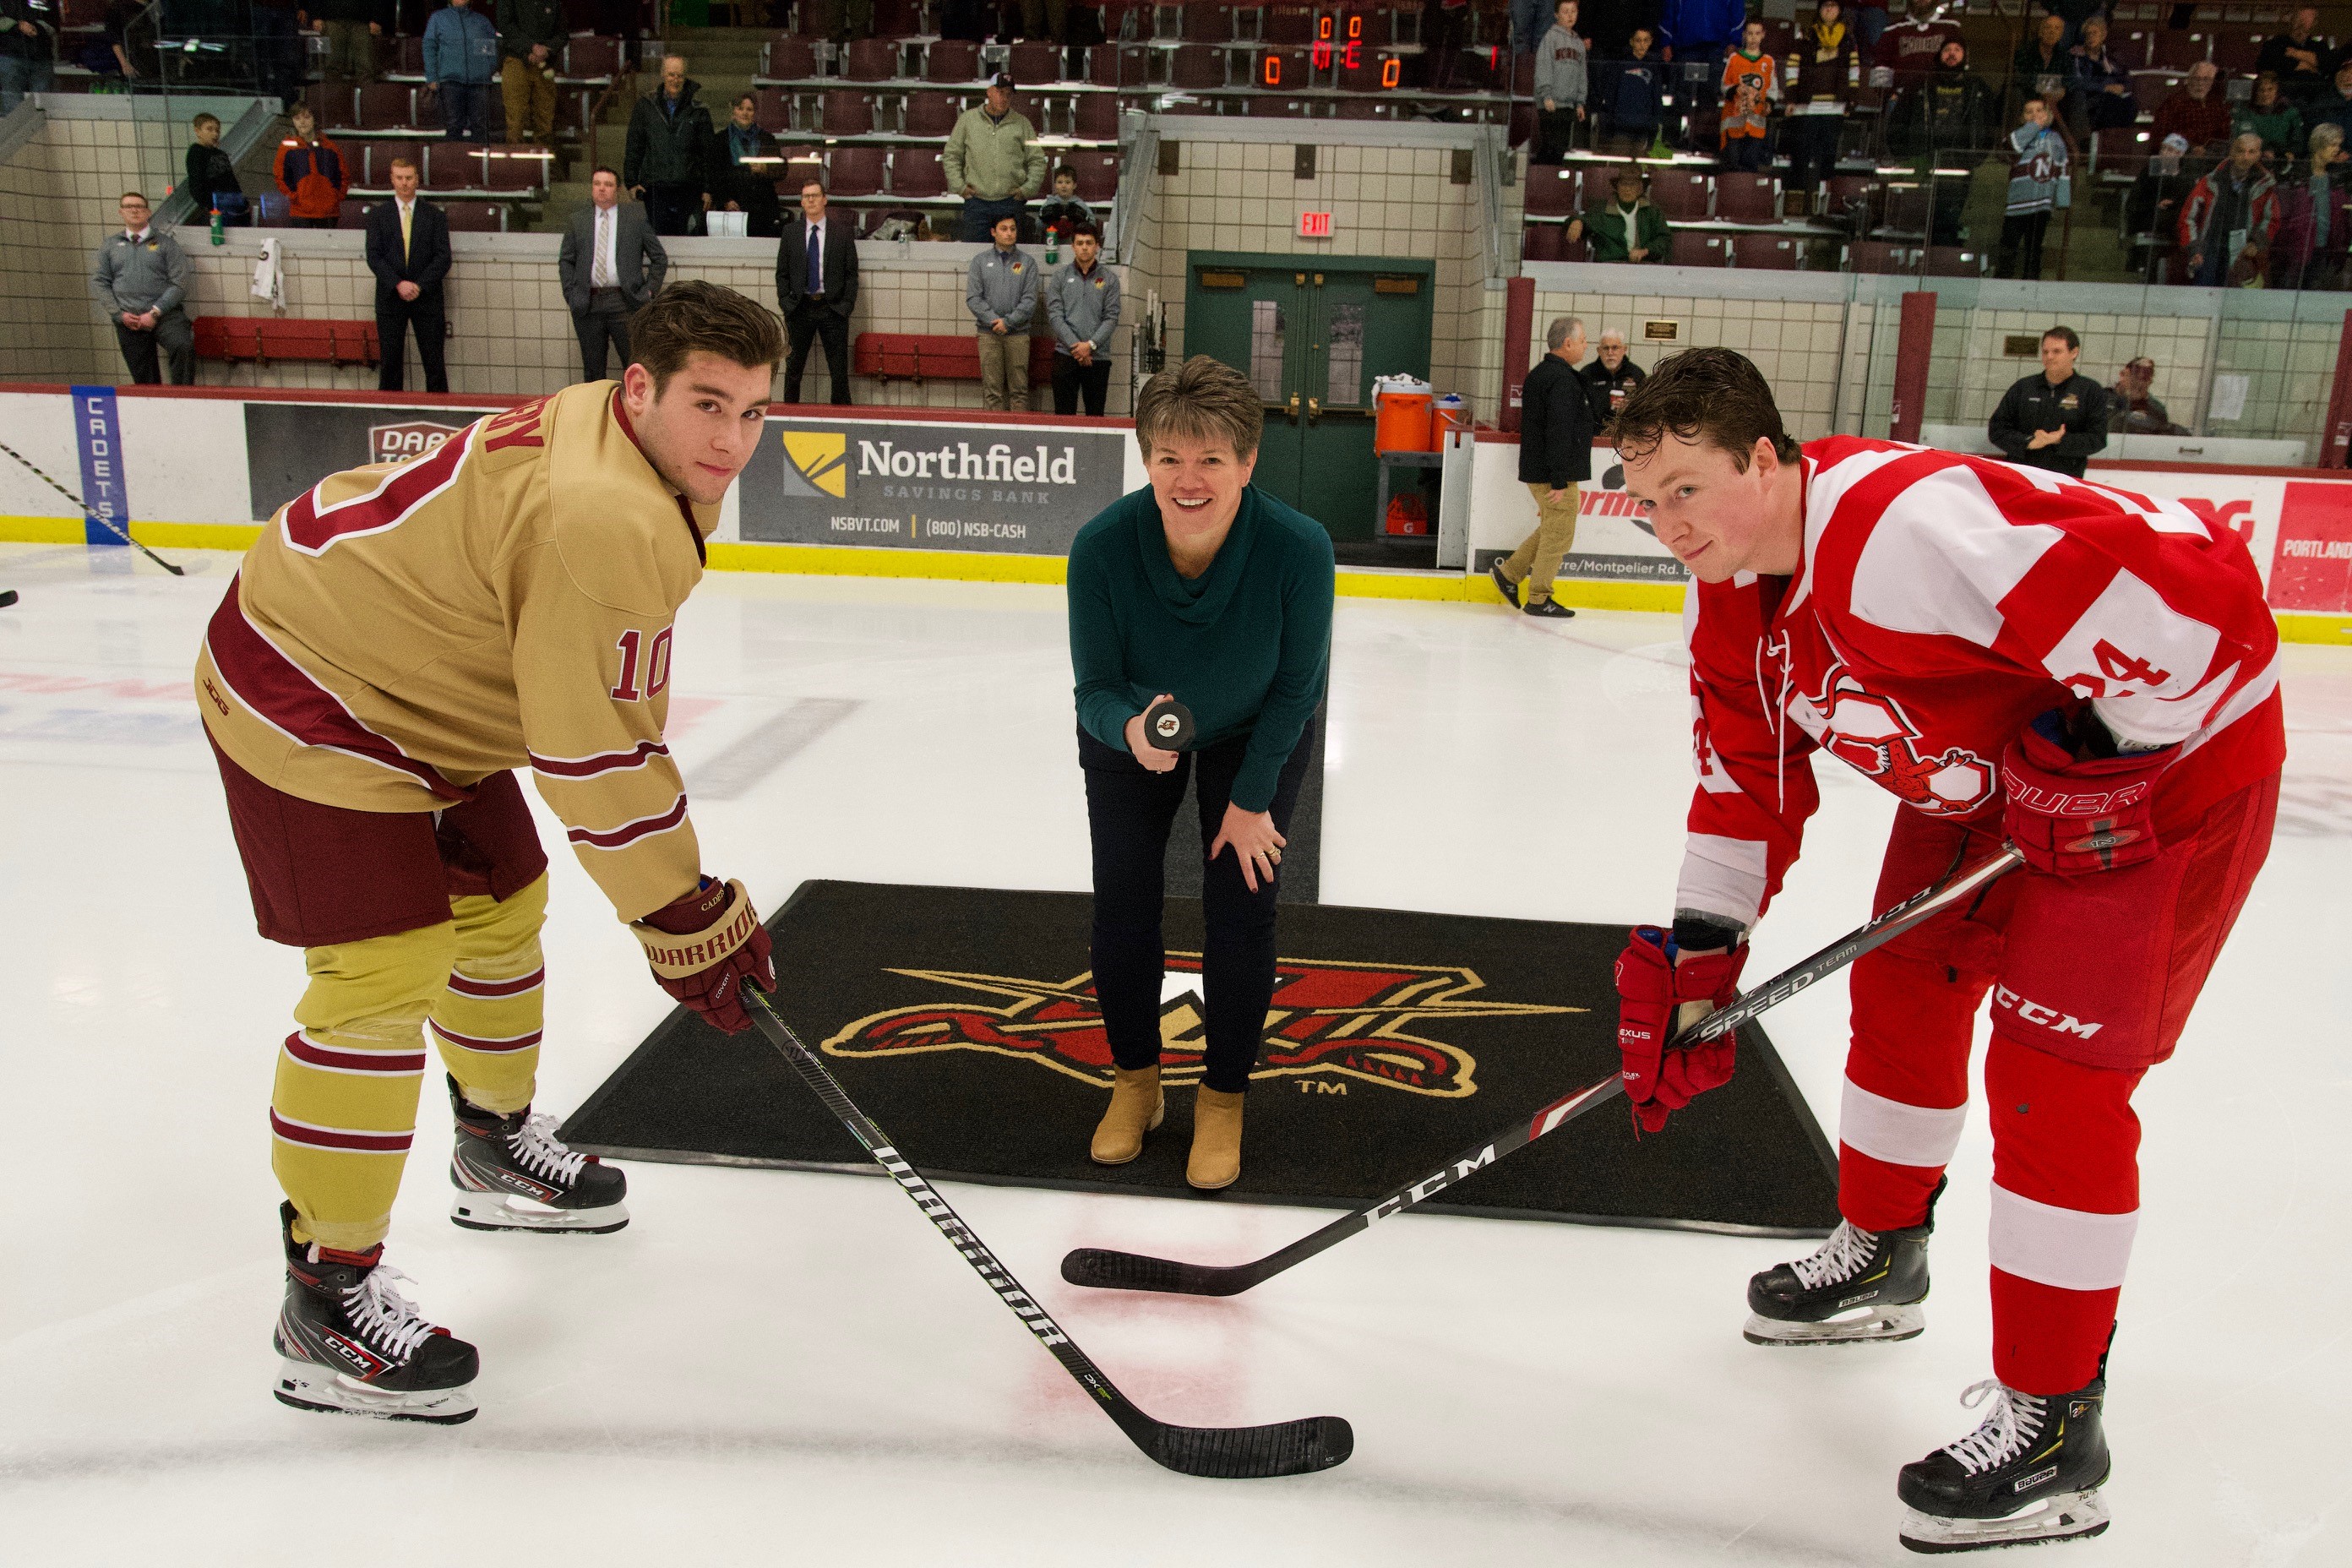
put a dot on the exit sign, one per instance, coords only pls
(1314, 226)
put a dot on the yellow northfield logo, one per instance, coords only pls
(820, 463)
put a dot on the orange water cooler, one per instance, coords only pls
(1406, 419)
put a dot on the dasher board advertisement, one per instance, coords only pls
(290, 446)
(1019, 489)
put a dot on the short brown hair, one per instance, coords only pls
(201, 120)
(2064, 335)
(406, 161)
(1714, 395)
(694, 317)
(1201, 400)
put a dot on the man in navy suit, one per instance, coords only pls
(816, 284)
(409, 251)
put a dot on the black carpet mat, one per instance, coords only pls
(961, 1020)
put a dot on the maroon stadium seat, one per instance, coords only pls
(1290, 24)
(1286, 69)
(897, 18)
(1954, 261)
(1681, 194)
(788, 59)
(771, 109)
(351, 213)
(2133, 47)
(1542, 241)
(1208, 23)
(1691, 248)
(2235, 50)
(916, 172)
(847, 114)
(451, 166)
(476, 217)
(1365, 109)
(1035, 61)
(596, 58)
(1097, 172)
(871, 59)
(801, 164)
(1197, 66)
(1852, 199)
(857, 171)
(1746, 199)
(2120, 149)
(380, 155)
(386, 105)
(953, 61)
(1273, 106)
(1771, 252)
(1119, 65)
(408, 57)
(1906, 213)
(1552, 191)
(1371, 73)
(2178, 50)
(1875, 257)
(1097, 118)
(931, 113)
(514, 168)
(2151, 88)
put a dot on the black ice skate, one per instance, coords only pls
(511, 1174)
(1861, 1285)
(2031, 1473)
(349, 1341)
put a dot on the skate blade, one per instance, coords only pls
(494, 1211)
(1904, 1323)
(2063, 1516)
(306, 1387)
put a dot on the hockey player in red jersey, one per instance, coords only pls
(2088, 674)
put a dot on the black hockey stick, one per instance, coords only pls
(1225, 1452)
(107, 523)
(1110, 1270)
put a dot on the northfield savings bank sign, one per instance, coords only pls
(1023, 490)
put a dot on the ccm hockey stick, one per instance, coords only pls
(1285, 1449)
(103, 522)
(1110, 1270)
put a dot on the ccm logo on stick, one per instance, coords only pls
(2045, 1017)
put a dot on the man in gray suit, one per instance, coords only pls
(611, 264)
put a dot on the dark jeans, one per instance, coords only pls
(394, 317)
(1071, 378)
(1555, 135)
(1128, 813)
(674, 208)
(2020, 245)
(1811, 141)
(1746, 153)
(980, 215)
(174, 336)
(606, 319)
(465, 110)
(811, 321)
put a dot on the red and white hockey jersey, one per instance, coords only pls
(1943, 603)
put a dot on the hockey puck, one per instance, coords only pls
(7, 597)
(1168, 724)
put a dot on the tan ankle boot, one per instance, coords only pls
(1216, 1158)
(1136, 1107)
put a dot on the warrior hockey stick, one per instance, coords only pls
(106, 523)
(1111, 1270)
(1225, 1452)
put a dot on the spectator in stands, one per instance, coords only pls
(1563, 69)
(1907, 51)
(141, 277)
(1556, 433)
(609, 264)
(2268, 114)
(1610, 378)
(1751, 81)
(2314, 218)
(461, 67)
(744, 166)
(2195, 112)
(1062, 210)
(280, 54)
(1627, 228)
(668, 162)
(816, 285)
(2230, 220)
(2072, 15)
(2103, 96)
(1530, 19)
(1631, 97)
(28, 44)
(409, 251)
(844, 20)
(2044, 67)
(1945, 123)
(351, 26)
(2054, 420)
(1000, 291)
(2039, 183)
(1869, 25)
(1826, 57)
(212, 184)
(1445, 28)
(311, 174)
(131, 40)
(992, 161)
(531, 40)
(2132, 410)
(2334, 107)
(1044, 20)
(2152, 208)
(1082, 308)
(2298, 57)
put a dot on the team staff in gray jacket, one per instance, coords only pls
(141, 277)
(1082, 307)
(1000, 292)
(1562, 84)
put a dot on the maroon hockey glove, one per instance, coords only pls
(703, 947)
(2071, 815)
(1651, 990)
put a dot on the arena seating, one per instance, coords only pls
(936, 356)
(263, 340)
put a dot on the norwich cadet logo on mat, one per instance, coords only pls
(1338, 1020)
(816, 463)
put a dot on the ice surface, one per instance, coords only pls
(768, 1367)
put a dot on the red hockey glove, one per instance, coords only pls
(704, 946)
(2075, 815)
(1653, 992)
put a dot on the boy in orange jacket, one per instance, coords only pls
(311, 174)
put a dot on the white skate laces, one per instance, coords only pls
(2013, 1423)
(384, 1314)
(1841, 1256)
(536, 1149)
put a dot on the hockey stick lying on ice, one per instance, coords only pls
(107, 523)
(1285, 1449)
(1110, 1270)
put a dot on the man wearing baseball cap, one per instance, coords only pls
(993, 162)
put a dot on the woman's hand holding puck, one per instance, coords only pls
(1142, 740)
(1254, 842)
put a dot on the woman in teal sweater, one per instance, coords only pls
(1203, 589)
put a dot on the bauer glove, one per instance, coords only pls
(704, 946)
(2071, 813)
(1656, 996)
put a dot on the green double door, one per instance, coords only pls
(1312, 333)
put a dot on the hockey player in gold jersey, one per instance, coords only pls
(396, 641)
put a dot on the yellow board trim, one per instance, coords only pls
(237, 536)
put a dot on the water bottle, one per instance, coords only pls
(1053, 243)
(220, 235)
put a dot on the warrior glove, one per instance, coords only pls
(704, 946)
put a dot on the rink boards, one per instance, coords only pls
(937, 493)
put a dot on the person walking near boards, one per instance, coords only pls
(2054, 420)
(1554, 456)
(1204, 589)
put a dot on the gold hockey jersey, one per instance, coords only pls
(399, 633)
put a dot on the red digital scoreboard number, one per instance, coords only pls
(1314, 226)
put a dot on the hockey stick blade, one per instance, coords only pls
(1102, 1268)
(1217, 1453)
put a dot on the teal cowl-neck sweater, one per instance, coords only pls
(1246, 645)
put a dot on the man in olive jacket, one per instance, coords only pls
(992, 161)
(1554, 456)
(668, 164)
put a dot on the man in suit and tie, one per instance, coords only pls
(409, 251)
(610, 264)
(816, 284)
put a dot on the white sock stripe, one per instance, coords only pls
(1897, 1134)
(2071, 1249)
